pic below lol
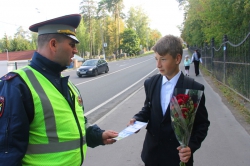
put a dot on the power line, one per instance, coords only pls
(9, 23)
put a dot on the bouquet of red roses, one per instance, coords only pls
(183, 107)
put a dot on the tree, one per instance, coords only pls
(102, 17)
(33, 38)
(110, 37)
(20, 43)
(89, 10)
(6, 42)
(81, 34)
(192, 28)
(154, 36)
(207, 19)
(21, 33)
(114, 6)
(130, 42)
(139, 21)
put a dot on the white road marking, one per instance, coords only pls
(118, 94)
(113, 109)
(111, 73)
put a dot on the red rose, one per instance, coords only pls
(184, 112)
(195, 105)
(179, 96)
(180, 101)
(182, 97)
(185, 98)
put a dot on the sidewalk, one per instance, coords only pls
(227, 143)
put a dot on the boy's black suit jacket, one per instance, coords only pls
(160, 144)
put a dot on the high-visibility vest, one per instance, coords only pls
(57, 133)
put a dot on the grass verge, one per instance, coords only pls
(240, 106)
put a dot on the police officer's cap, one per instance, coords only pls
(65, 25)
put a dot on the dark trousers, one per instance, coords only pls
(196, 67)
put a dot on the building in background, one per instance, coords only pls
(14, 60)
(10, 61)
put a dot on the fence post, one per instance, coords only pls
(15, 65)
(212, 55)
(224, 57)
(205, 59)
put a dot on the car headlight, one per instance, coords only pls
(91, 69)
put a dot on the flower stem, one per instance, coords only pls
(182, 164)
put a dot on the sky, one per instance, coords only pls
(164, 15)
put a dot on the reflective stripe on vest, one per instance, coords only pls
(53, 143)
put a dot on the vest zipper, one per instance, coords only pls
(6, 136)
(78, 126)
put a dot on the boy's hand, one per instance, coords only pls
(184, 153)
(131, 122)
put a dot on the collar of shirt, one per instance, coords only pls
(173, 80)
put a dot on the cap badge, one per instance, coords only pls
(80, 102)
(66, 31)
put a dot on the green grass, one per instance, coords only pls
(235, 100)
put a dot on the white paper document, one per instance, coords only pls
(130, 130)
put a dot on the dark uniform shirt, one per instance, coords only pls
(17, 110)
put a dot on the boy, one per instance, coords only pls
(161, 147)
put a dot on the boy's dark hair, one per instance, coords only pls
(168, 44)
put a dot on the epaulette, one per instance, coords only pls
(8, 76)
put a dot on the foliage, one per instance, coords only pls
(154, 35)
(205, 19)
(130, 42)
(88, 9)
(33, 38)
(115, 7)
(138, 20)
(102, 21)
(81, 34)
(110, 37)
(20, 42)
(6, 42)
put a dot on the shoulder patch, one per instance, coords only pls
(8, 76)
(1, 105)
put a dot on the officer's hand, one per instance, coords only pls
(108, 135)
(131, 122)
(184, 153)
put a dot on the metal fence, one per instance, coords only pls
(229, 63)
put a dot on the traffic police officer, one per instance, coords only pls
(41, 112)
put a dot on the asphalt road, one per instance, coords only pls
(105, 91)
(227, 143)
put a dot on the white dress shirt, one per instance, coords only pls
(195, 57)
(167, 89)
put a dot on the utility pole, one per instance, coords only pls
(7, 54)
